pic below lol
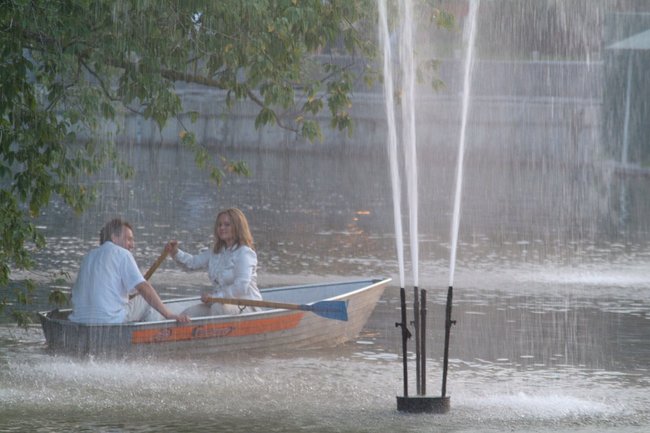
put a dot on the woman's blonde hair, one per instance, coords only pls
(242, 232)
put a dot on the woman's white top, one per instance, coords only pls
(233, 270)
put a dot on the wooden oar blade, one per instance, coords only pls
(337, 310)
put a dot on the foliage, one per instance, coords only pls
(69, 66)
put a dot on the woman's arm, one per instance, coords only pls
(189, 261)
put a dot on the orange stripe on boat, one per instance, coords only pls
(216, 330)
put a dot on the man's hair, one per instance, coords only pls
(112, 228)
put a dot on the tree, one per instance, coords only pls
(67, 66)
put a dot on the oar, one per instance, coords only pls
(155, 265)
(337, 310)
(152, 269)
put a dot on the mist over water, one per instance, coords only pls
(549, 328)
(552, 289)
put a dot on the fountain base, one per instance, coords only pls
(423, 404)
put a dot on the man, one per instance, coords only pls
(107, 277)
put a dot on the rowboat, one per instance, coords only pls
(267, 329)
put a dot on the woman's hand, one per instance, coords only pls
(172, 247)
(205, 297)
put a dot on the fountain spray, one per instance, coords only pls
(419, 403)
(384, 38)
(467, 82)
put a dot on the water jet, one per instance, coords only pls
(421, 402)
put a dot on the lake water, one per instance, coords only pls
(551, 298)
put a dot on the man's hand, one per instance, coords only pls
(180, 318)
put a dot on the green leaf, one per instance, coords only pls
(58, 298)
(264, 117)
(22, 318)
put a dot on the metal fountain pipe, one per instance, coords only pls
(420, 403)
(416, 326)
(406, 334)
(423, 341)
(448, 324)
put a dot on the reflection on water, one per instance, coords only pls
(320, 215)
(552, 300)
(337, 201)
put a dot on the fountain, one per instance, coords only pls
(421, 402)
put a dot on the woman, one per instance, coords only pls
(231, 265)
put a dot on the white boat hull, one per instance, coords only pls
(274, 329)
